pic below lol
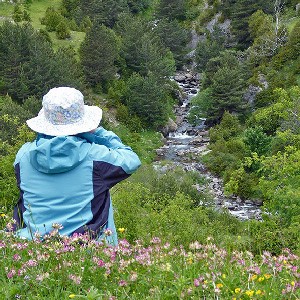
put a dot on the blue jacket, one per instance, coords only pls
(66, 180)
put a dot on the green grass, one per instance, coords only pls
(37, 11)
(6, 10)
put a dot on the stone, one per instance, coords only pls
(180, 78)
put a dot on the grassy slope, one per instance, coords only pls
(37, 10)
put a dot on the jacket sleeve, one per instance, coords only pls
(113, 161)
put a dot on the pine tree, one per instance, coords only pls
(172, 9)
(146, 98)
(99, 52)
(142, 50)
(174, 37)
(62, 30)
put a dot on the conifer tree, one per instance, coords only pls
(142, 50)
(146, 98)
(99, 52)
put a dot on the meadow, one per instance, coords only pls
(78, 267)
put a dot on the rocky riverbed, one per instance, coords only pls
(185, 144)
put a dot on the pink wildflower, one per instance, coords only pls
(16, 257)
(122, 283)
(11, 273)
(76, 279)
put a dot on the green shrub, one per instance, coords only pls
(9, 192)
(62, 30)
(257, 141)
(229, 127)
(51, 19)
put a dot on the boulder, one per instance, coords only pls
(171, 126)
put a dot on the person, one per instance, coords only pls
(65, 175)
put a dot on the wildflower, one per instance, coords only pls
(196, 282)
(223, 276)
(249, 293)
(155, 240)
(122, 283)
(133, 276)
(76, 279)
(166, 267)
(219, 285)
(11, 273)
(253, 277)
(107, 232)
(121, 229)
(71, 296)
(258, 292)
(57, 226)
(2, 215)
(267, 276)
(16, 257)
(237, 290)
(261, 279)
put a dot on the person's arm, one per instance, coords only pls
(104, 137)
(115, 161)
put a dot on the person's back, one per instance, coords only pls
(65, 175)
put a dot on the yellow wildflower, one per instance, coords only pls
(258, 292)
(223, 276)
(249, 293)
(190, 261)
(262, 278)
(219, 285)
(237, 290)
(2, 215)
(268, 276)
(121, 230)
(293, 283)
(72, 296)
(253, 277)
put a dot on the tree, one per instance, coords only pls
(99, 52)
(146, 98)
(28, 64)
(174, 37)
(103, 11)
(268, 36)
(62, 30)
(172, 9)
(137, 6)
(51, 19)
(294, 40)
(142, 50)
(227, 91)
(17, 13)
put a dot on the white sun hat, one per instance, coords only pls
(64, 113)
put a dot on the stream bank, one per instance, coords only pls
(185, 144)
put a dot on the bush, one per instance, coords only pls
(51, 19)
(62, 30)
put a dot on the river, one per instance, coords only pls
(184, 145)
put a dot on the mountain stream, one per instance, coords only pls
(186, 142)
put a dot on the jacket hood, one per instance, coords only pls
(58, 154)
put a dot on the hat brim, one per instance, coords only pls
(91, 120)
